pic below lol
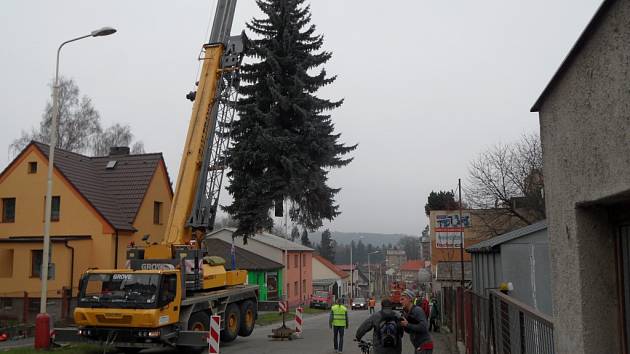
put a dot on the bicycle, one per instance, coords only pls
(365, 346)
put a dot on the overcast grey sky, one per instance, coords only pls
(428, 84)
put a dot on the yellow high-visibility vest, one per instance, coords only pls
(339, 315)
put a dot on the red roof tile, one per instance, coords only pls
(115, 193)
(413, 265)
(331, 266)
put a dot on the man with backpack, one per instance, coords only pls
(415, 323)
(386, 330)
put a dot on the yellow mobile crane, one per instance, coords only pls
(171, 289)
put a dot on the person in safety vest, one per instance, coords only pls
(372, 304)
(338, 323)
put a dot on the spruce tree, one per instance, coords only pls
(327, 246)
(295, 233)
(305, 241)
(284, 141)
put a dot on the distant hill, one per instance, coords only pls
(344, 238)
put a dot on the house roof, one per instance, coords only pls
(271, 240)
(115, 193)
(347, 267)
(488, 246)
(452, 271)
(575, 50)
(244, 258)
(331, 266)
(40, 239)
(413, 265)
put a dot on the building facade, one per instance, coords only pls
(297, 276)
(520, 257)
(409, 272)
(327, 276)
(261, 271)
(446, 230)
(96, 212)
(393, 260)
(585, 132)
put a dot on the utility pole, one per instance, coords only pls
(461, 233)
(461, 253)
(351, 275)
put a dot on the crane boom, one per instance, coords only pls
(201, 170)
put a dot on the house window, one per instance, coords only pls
(6, 263)
(8, 210)
(37, 257)
(295, 288)
(304, 286)
(55, 209)
(295, 261)
(32, 167)
(157, 213)
(6, 303)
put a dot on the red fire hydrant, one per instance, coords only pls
(42, 331)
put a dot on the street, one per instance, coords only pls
(316, 338)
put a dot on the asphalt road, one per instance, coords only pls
(316, 339)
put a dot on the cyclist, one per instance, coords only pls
(386, 329)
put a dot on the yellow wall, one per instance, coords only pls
(158, 191)
(77, 218)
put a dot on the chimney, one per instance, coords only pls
(118, 150)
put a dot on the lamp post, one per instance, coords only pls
(370, 271)
(42, 323)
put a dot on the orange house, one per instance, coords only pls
(99, 206)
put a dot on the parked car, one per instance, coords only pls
(359, 303)
(321, 299)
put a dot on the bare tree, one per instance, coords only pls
(508, 179)
(78, 122)
(116, 135)
(79, 126)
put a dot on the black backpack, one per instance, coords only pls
(388, 331)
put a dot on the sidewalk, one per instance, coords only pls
(443, 343)
(18, 343)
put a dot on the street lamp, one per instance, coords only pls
(370, 271)
(42, 324)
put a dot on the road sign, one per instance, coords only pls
(213, 338)
(298, 321)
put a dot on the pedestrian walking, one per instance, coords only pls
(372, 304)
(435, 316)
(424, 304)
(386, 330)
(338, 322)
(415, 323)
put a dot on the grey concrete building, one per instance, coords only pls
(520, 257)
(585, 129)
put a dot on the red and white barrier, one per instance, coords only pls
(213, 338)
(282, 306)
(298, 321)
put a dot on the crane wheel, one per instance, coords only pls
(199, 321)
(232, 318)
(248, 318)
